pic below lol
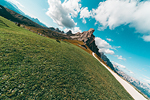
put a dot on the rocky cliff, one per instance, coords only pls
(89, 39)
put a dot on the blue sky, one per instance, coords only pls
(121, 27)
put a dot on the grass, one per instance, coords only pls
(36, 67)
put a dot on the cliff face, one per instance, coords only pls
(107, 61)
(89, 39)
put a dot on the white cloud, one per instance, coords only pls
(146, 77)
(122, 66)
(22, 8)
(62, 13)
(85, 13)
(15, 2)
(148, 81)
(115, 47)
(113, 13)
(120, 57)
(109, 39)
(74, 30)
(103, 46)
(146, 38)
(131, 72)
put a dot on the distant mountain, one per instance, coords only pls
(143, 87)
(11, 6)
(17, 10)
(35, 20)
(15, 17)
(69, 32)
(56, 30)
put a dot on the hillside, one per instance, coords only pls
(36, 67)
(15, 17)
(14, 8)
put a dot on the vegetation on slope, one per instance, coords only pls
(36, 67)
(15, 17)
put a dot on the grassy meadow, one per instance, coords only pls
(36, 67)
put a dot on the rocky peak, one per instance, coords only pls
(84, 36)
(88, 38)
(91, 31)
(69, 32)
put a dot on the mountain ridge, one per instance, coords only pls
(15, 17)
(143, 87)
(14, 8)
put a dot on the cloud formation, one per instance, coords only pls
(108, 39)
(122, 66)
(74, 30)
(113, 13)
(63, 13)
(103, 46)
(85, 14)
(146, 38)
(15, 2)
(120, 57)
(147, 79)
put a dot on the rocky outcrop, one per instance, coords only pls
(69, 32)
(88, 38)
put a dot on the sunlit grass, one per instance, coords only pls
(36, 67)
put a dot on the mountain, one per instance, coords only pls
(89, 39)
(35, 20)
(11, 6)
(15, 17)
(143, 87)
(17, 10)
(69, 32)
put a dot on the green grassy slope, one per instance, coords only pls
(36, 67)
